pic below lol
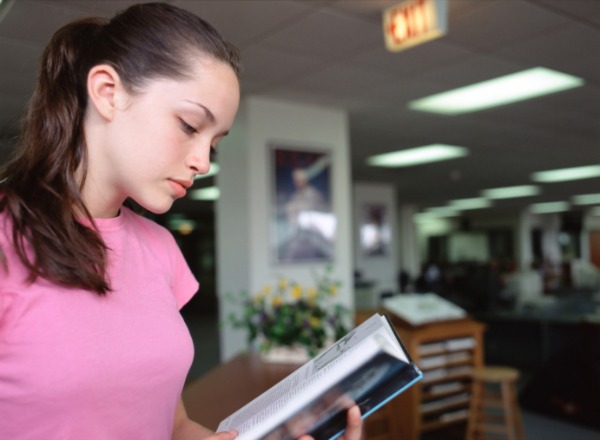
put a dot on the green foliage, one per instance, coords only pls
(289, 314)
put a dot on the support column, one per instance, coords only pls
(244, 210)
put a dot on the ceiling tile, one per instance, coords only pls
(43, 18)
(564, 49)
(243, 22)
(327, 34)
(341, 79)
(412, 61)
(496, 23)
(257, 62)
(470, 70)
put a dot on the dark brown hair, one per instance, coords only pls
(40, 187)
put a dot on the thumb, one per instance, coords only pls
(225, 435)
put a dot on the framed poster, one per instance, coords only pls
(375, 231)
(304, 225)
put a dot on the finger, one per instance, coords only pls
(353, 424)
(225, 435)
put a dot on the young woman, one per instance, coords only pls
(92, 345)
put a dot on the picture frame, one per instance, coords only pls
(303, 222)
(375, 230)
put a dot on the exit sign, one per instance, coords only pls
(414, 22)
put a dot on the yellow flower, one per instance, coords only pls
(297, 291)
(315, 322)
(333, 290)
(277, 301)
(283, 283)
(258, 297)
(311, 293)
(267, 290)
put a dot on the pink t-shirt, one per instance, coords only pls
(78, 366)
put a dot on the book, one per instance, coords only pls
(368, 367)
(423, 308)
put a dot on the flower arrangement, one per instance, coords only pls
(289, 314)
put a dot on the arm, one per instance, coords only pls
(186, 429)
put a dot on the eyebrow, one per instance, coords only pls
(208, 113)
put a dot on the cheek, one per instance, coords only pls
(162, 152)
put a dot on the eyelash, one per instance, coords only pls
(187, 127)
(191, 130)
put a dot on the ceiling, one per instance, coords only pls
(331, 53)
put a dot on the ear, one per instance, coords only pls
(105, 90)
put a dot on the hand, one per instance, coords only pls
(353, 426)
(225, 435)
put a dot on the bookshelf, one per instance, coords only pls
(447, 352)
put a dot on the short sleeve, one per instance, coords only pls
(185, 284)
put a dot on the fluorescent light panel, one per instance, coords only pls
(210, 193)
(548, 207)
(423, 217)
(418, 156)
(442, 211)
(472, 203)
(587, 199)
(565, 174)
(503, 90)
(510, 192)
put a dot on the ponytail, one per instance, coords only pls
(41, 192)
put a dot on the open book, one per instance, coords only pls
(369, 366)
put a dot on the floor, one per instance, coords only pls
(204, 330)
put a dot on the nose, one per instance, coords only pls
(199, 161)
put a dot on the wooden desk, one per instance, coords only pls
(231, 385)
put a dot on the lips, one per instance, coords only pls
(185, 183)
(180, 186)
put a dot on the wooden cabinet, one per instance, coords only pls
(447, 352)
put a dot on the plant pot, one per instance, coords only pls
(283, 354)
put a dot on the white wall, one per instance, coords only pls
(409, 250)
(243, 210)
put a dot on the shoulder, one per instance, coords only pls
(12, 271)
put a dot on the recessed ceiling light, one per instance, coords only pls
(564, 174)
(587, 199)
(418, 156)
(510, 192)
(214, 169)
(472, 203)
(503, 90)
(210, 193)
(548, 207)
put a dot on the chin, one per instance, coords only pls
(156, 208)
